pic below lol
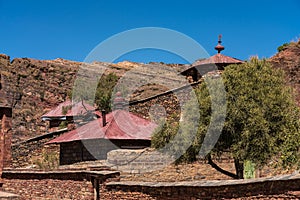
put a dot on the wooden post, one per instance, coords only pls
(96, 188)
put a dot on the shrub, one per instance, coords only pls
(49, 160)
(283, 47)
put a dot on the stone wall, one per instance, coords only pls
(5, 137)
(137, 161)
(5, 122)
(25, 154)
(167, 104)
(72, 152)
(49, 189)
(82, 185)
(77, 151)
(283, 187)
(75, 185)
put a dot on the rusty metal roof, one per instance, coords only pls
(68, 109)
(218, 59)
(120, 125)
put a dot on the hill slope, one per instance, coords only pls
(289, 60)
(43, 84)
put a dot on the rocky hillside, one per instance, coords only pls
(40, 85)
(288, 59)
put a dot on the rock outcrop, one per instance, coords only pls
(36, 87)
(289, 60)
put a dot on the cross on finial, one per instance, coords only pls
(220, 38)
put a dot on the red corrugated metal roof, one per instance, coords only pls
(120, 124)
(75, 109)
(217, 59)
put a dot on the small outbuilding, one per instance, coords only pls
(67, 111)
(115, 130)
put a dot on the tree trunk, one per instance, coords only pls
(239, 168)
(215, 166)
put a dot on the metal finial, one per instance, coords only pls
(219, 47)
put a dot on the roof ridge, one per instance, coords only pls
(109, 123)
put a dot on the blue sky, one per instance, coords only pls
(71, 29)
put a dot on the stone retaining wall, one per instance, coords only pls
(75, 185)
(137, 161)
(49, 189)
(209, 189)
(172, 101)
(25, 154)
(81, 185)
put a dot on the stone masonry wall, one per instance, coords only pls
(67, 185)
(282, 187)
(5, 137)
(72, 152)
(80, 185)
(49, 189)
(77, 151)
(137, 161)
(27, 153)
(167, 104)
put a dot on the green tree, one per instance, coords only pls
(261, 118)
(104, 91)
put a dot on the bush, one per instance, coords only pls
(49, 160)
(283, 47)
